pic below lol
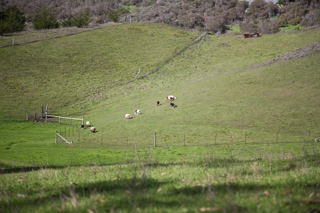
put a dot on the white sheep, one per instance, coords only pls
(93, 129)
(128, 116)
(88, 123)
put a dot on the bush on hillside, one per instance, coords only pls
(68, 21)
(102, 19)
(11, 20)
(294, 14)
(45, 20)
(311, 19)
(115, 14)
(248, 27)
(269, 26)
(258, 10)
(217, 27)
(195, 14)
(81, 20)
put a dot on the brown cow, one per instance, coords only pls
(251, 35)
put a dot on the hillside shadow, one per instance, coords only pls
(211, 162)
(5, 169)
(127, 193)
(130, 194)
(147, 193)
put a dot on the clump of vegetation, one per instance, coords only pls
(213, 16)
(11, 20)
(44, 19)
(79, 20)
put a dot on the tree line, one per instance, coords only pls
(214, 16)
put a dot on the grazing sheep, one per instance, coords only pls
(93, 129)
(88, 123)
(158, 103)
(171, 98)
(137, 112)
(128, 116)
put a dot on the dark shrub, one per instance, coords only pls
(116, 13)
(45, 20)
(68, 21)
(11, 20)
(81, 20)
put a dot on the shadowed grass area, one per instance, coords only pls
(279, 183)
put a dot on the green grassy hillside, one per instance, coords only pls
(248, 129)
(218, 87)
(71, 73)
(218, 90)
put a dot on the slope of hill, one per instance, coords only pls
(78, 70)
(219, 86)
(216, 81)
(253, 122)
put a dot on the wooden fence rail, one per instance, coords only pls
(70, 118)
(57, 134)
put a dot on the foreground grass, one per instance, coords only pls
(280, 178)
(37, 175)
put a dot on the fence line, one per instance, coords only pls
(161, 139)
(70, 118)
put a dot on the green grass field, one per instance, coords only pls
(241, 138)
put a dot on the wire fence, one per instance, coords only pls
(80, 135)
(85, 138)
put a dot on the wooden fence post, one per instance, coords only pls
(42, 111)
(46, 117)
(155, 139)
(47, 109)
(82, 125)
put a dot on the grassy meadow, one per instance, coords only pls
(241, 138)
